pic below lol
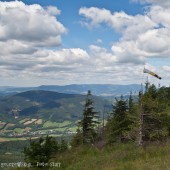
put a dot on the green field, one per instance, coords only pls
(23, 120)
(12, 139)
(56, 124)
(18, 130)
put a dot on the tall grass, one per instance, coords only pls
(116, 157)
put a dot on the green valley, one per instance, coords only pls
(38, 112)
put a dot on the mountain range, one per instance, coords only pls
(97, 89)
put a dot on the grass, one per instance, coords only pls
(5, 158)
(8, 125)
(39, 121)
(30, 121)
(2, 124)
(12, 139)
(117, 157)
(18, 130)
(73, 128)
(56, 124)
(23, 120)
(71, 105)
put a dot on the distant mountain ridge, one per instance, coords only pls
(97, 89)
(42, 95)
(46, 104)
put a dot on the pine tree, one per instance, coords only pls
(89, 121)
(132, 117)
(87, 133)
(131, 104)
(119, 124)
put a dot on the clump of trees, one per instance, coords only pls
(156, 113)
(138, 119)
(145, 120)
(42, 150)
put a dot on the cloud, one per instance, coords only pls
(53, 10)
(29, 33)
(160, 15)
(142, 36)
(155, 42)
(72, 65)
(166, 68)
(30, 24)
(15, 47)
(63, 56)
(44, 61)
(99, 41)
(128, 52)
(129, 26)
(26, 31)
(101, 56)
(95, 16)
(164, 3)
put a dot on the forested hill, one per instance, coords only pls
(45, 96)
(48, 105)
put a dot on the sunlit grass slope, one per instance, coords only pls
(117, 157)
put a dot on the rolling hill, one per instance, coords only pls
(47, 104)
(41, 110)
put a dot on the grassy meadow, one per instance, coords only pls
(116, 157)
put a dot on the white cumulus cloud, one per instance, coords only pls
(142, 35)
(30, 23)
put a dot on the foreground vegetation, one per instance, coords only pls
(155, 156)
(116, 157)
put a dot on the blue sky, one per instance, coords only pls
(78, 36)
(83, 41)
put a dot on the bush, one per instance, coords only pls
(42, 151)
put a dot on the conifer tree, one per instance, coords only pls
(89, 121)
(63, 146)
(87, 132)
(132, 117)
(119, 124)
